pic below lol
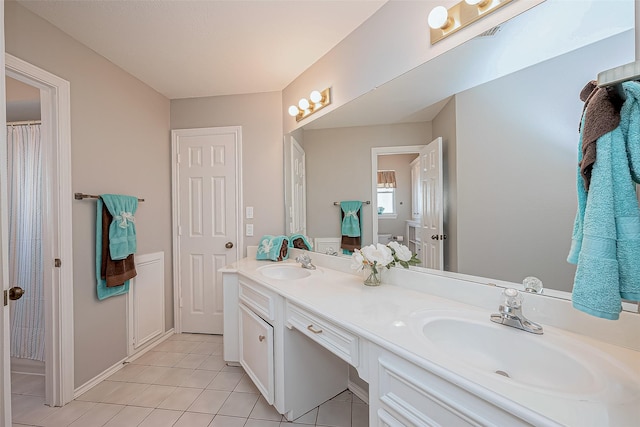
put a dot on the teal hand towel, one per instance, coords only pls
(350, 220)
(626, 203)
(122, 231)
(606, 236)
(299, 241)
(102, 289)
(274, 248)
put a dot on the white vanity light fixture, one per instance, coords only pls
(443, 21)
(317, 100)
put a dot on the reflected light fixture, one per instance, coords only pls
(444, 22)
(317, 100)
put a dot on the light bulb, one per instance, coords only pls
(438, 17)
(315, 96)
(293, 111)
(303, 104)
(479, 3)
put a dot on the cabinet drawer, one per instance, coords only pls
(332, 337)
(259, 299)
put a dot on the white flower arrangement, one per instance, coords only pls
(380, 256)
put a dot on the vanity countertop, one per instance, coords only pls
(386, 315)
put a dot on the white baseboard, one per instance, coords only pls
(115, 368)
(98, 379)
(358, 391)
(27, 366)
(162, 338)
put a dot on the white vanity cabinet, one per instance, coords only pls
(289, 369)
(404, 394)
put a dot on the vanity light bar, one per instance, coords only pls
(317, 101)
(459, 16)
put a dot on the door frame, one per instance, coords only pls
(384, 151)
(175, 208)
(55, 100)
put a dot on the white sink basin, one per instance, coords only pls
(284, 272)
(554, 362)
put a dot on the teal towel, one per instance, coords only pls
(350, 221)
(103, 290)
(299, 240)
(274, 248)
(606, 236)
(122, 231)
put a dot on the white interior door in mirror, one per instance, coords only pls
(432, 220)
(297, 200)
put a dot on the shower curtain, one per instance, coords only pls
(24, 154)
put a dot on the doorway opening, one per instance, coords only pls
(56, 243)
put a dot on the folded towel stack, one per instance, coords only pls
(274, 248)
(299, 241)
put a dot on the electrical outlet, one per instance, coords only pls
(249, 213)
(249, 229)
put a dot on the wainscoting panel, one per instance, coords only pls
(146, 301)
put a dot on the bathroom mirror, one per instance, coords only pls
(507, 106)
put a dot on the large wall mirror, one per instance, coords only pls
(507, 107)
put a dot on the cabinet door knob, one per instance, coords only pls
(435, 237)
(261, 337)
(315, 331)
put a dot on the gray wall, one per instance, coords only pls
(339, 168)
(260, 116)
(517, 140)
(120, 143)
(23, 101)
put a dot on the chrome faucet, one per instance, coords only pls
(510, 313)
(305, 261)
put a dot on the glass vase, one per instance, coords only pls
(373, 276)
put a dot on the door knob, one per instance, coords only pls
(16, 293)
(435, 237)
(228, 245)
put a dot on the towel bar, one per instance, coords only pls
(368, 202)
(81, 196)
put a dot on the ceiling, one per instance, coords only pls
(189, 48)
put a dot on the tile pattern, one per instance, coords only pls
(182, 382)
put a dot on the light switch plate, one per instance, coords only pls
(249, 229)
(249, 213)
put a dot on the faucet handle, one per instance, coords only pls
(532, 284)
(304, 258)
(512, 298)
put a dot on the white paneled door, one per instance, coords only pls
(206, 222)
(299, 189)
(433, 235)
(5, 375)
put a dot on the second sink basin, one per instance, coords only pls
(284, 272)
(553, 362)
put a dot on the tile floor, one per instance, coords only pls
(182, 382)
